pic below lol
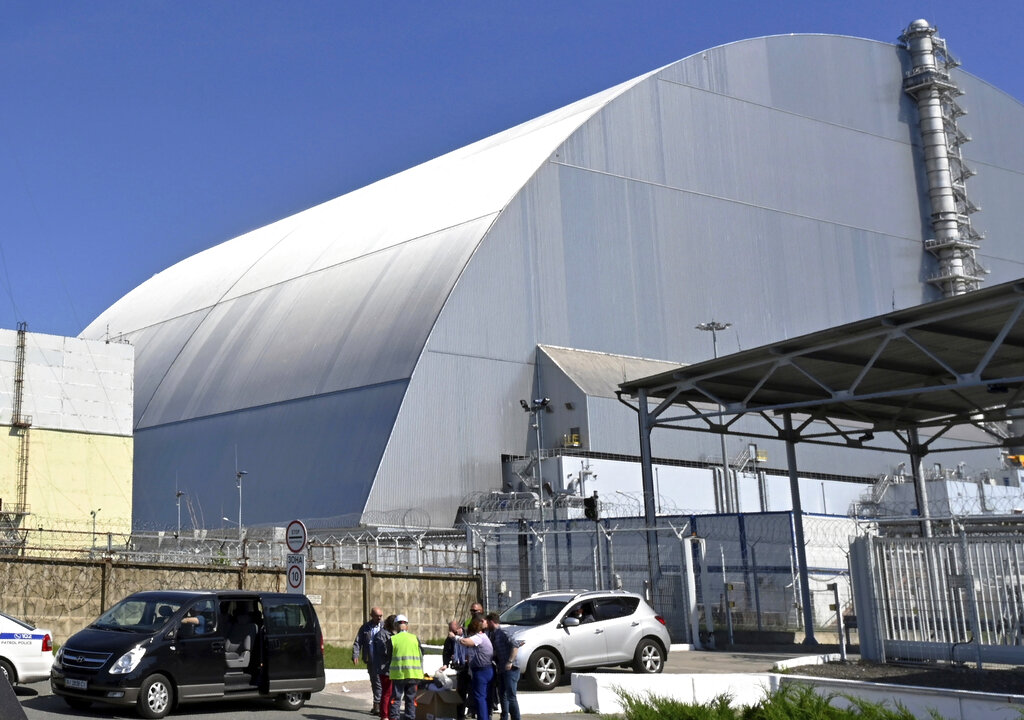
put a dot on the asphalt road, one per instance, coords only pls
(351, 700)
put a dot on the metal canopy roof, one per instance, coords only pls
(952, 362)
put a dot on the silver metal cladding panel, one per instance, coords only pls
(301, 460)
(770, 183)
(351, 325)
(456, 420)
(675, 205)
(69, 384)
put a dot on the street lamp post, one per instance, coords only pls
(728, 497)
(177, 498)
(535, 409)
(238, 479)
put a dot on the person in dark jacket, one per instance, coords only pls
(362, 649)
(453, 655)
(506, 667)
(382, 662)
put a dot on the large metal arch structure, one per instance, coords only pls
(882, 383)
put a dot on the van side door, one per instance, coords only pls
(198, 652)
(294, 658)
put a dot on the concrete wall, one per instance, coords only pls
(65, 596)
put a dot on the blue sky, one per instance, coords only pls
(135, 134)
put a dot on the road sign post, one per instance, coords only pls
(295, 562)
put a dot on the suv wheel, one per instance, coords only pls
(155, 697)
(648, 657)
(290, 701)
(543, 671)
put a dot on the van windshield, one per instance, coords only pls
(138, 615)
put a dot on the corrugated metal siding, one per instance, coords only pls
(784, 200)
(70, 384)
(302, 460)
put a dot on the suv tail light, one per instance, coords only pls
(47, 643)
(660, 619)
(321, 642)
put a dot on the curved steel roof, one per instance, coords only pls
(367, 356)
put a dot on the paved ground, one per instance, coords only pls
(559, 704)
(350, 699)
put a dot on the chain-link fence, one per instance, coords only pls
(745, 575)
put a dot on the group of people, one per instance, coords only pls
(480, 651)
(394, 661)
(484, 658)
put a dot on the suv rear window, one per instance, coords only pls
(284, 616)
(608, 608)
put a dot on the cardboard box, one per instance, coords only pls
(434, 704)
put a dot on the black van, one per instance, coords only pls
(159, 648)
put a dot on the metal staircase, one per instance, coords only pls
(929, 83)
(13, 533)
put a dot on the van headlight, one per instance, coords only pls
(128, 662)
(59, 656)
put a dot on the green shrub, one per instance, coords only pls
(792, 702)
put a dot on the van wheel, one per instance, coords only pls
(156, 696)
(290, 701)
(77, 703)
(543, 671)
(648, 657)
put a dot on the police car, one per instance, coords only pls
(26, 652)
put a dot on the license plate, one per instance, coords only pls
(76, 684)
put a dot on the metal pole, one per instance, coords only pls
(540, 494)
(647, 474)
(726, 587)
(757, 591)
(798, 530)
(686, 549)
(920, 489)
(834, 587)
(729, 499)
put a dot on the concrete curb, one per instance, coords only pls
(599, 693)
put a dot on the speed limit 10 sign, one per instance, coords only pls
(296, 573)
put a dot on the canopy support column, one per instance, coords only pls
(798, 531)
(647, 472)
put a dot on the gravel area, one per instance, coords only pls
(1006, 681)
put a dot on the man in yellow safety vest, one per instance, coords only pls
(406, 670)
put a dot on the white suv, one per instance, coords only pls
(568, 629)
(26, 652)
